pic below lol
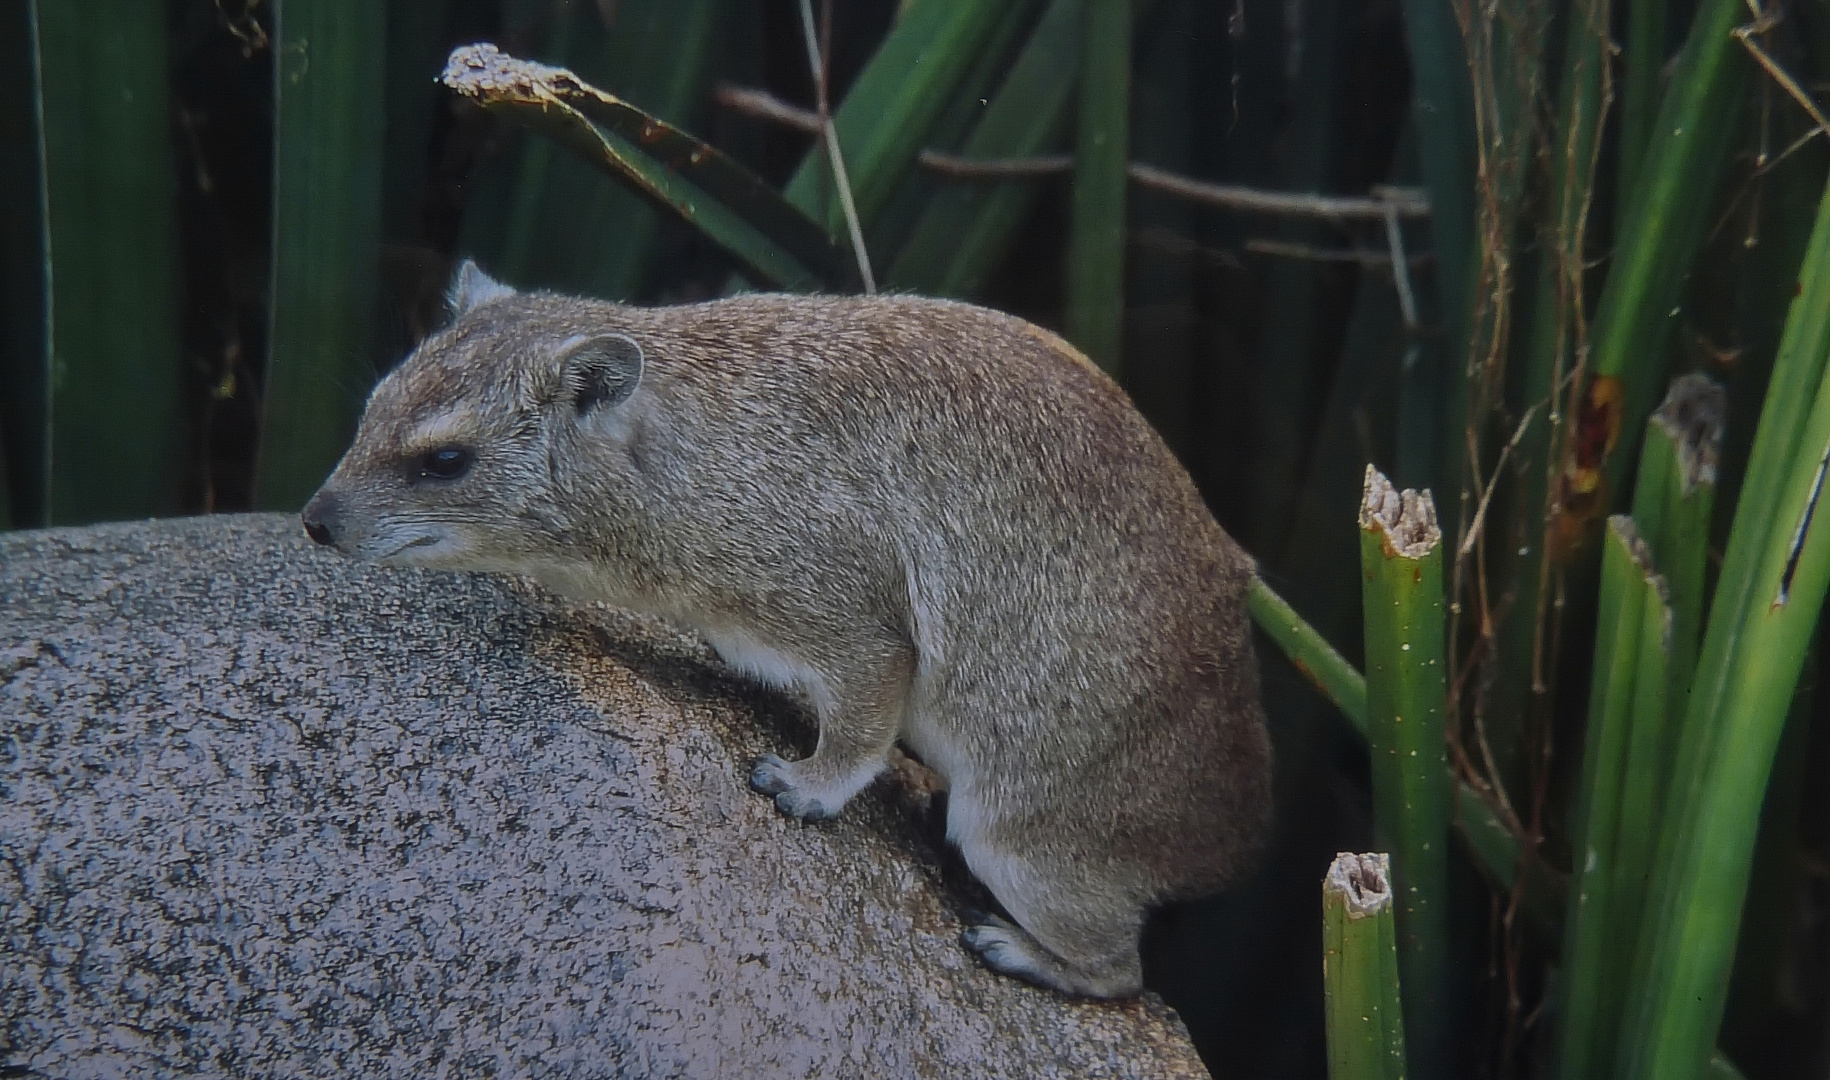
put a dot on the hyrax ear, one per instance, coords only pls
(600, 371)
(470, 286)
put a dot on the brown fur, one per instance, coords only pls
(937, 523)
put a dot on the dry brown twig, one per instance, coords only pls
(1764, 21)
(1378, 204)
(766, 106)
(1404, 202)
(1493, 481)
(1369, 259)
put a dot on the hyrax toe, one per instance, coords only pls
(807, 807)
(1010, 950)
(1007, 948)
(1001, 946)
(811, 789)
(770, 775)
(794, 796)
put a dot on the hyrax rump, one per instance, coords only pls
(933, 522)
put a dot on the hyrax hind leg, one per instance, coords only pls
(1074, 935)
(860, 708)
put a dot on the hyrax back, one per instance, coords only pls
(936, 523)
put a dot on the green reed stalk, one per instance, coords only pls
(1310, 652)
(1666, 219)
(1625, 714)
(1644, 56)
(1096, 240)
(1494, 845)
(1520, 683)
(1766, 605)
(973, 98)
(111, 369)
(1443, 110)
(1365, 1013)
(1401, 562)
(1674, 500)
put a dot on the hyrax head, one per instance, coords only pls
(455, 461)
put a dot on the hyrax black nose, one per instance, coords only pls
(318, 515)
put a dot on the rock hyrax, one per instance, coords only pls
(933, 522)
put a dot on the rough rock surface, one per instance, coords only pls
(265, 812)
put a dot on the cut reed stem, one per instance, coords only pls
(1401, 561)
(1766, 605)
(1360, 977)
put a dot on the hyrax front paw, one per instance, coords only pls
(793, 795)
(1004, 948)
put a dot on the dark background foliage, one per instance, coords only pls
(1268, 351)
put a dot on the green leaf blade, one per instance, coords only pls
(1096, 240)
(1767, 602)
(114, 366)
(732, 206)
(886, 115)
(1599, 913)
(1667, 217)
(327, 191)
(968, 225)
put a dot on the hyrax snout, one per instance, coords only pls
(934, 523)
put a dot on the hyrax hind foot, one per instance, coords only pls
(1008, 948)
(802, 796)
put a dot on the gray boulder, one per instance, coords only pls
(266, 812)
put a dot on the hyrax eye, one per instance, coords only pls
(446, 463)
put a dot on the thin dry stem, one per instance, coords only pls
(1405, 202)
(1480, 512)
(766, 106)
(1022, 168)
(1369, 259)
(1506, 91)
(1765, 21)
(816, 60)
(1401, 280)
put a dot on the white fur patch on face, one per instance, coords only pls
(430, 544)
